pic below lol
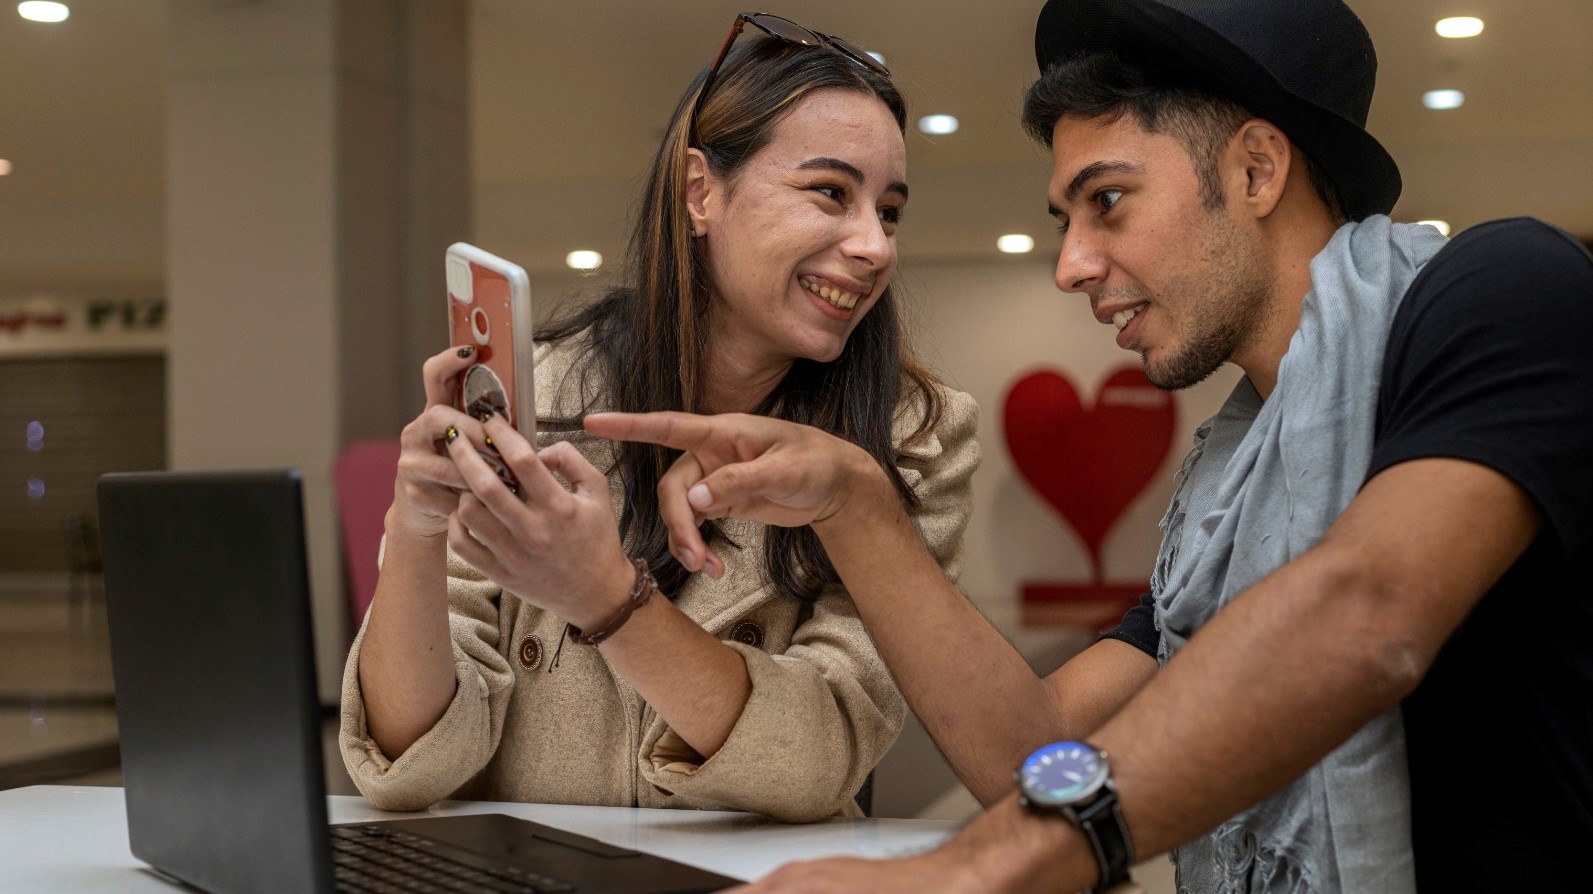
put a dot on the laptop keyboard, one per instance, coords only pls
(379, 860)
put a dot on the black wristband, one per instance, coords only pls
(1102, 823)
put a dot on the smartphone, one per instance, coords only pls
(489, 308)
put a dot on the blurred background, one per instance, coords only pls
(222, 225)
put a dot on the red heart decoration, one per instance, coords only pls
(1089, 464)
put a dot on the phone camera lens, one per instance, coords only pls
(481, 326)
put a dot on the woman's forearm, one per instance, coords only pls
(406, 658)
(696, 683)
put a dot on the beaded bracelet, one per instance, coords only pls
(642, 591)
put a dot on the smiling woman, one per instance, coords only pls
(759, 281)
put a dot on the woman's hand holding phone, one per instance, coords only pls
(469, 475)
(429, 482)
(555, 548)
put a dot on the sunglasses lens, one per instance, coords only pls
(860, 54)
(786, 29)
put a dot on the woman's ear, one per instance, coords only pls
(699, 184)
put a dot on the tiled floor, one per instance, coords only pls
(57, 707)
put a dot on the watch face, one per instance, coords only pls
(1062, 773)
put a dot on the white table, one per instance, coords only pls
(69, 838)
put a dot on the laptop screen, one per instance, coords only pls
(209, 609)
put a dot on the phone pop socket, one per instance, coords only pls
(485, 398)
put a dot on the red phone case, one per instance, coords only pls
(489, 308)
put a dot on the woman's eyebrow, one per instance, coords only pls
(827, 163)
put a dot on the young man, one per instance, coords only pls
(1366, 660)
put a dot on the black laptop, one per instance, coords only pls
(208, 599)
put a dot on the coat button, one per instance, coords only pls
(531, 652)
(748, 633)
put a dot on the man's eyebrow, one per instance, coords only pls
(826, 163)
(1092, 171)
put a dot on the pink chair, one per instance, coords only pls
(363, 476)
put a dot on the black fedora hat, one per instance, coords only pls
(1308, 66)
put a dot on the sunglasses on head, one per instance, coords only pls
(787, 30)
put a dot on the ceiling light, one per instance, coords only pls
(1459, 26)
(1443, 99)
(1015, 244)
(5, 167)
(1442, 226)
(43, 11)
(583, 260)
(938, 125)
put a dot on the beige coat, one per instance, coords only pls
(822, 712)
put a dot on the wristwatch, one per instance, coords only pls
(1074, 780)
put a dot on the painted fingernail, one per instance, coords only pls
(484, 416)
(699, 497)
(451, 435)
(466, 352)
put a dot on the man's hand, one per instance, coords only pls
(838, 875)
(1006, 850)
(748, 467)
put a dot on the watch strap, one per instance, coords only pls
(1101, 821)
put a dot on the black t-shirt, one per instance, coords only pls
(1490, 360)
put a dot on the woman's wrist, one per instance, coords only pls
(643, 589)
(399, 528)
(611, 593)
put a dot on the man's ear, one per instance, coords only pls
(699, 185)
(1267, 157)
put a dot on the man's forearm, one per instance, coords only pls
(974, 693)
(1255, 699)
(1301, 660)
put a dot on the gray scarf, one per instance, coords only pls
(1260, 486)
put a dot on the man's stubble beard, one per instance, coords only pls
(1226, 303)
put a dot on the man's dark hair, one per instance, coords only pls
(1102, 85)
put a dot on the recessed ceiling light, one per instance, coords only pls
(1459, 26)
(5, 167)
(1442, 226)
(1015, 244)
(1443, 99)
(43, 11)
(583, 260)
(938, 125)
